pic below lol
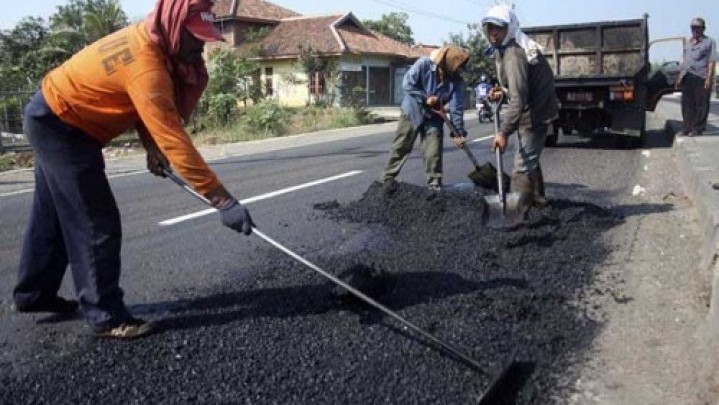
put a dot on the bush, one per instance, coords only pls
(221, 110)
(267, 117)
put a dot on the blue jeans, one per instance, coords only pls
(74, 220)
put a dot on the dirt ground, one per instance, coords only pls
(655, 346)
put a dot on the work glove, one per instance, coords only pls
(235, 216)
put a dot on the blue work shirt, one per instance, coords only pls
(698, 55)
(419, 83)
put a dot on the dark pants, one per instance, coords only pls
(694, 104)
(430, 134)
(74, 219)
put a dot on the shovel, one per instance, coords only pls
(501, 208)
(502, 213)
(481, 175)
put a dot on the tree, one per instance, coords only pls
(232, 79)
(394, 25)
(476, 45)
(103, 17)
(21, 63)
(67, 25)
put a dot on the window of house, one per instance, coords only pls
(268, 81)
(317, 83)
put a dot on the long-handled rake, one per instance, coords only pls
(359, 294)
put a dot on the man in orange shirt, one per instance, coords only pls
(148, 76)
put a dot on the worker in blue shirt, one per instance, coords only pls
(430, 84)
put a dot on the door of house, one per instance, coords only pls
(379, 86)
(397, 85)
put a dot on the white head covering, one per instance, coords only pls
(503, 15)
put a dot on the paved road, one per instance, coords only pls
(164, 265)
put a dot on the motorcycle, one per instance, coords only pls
(484, 112)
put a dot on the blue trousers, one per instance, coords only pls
(74, 220)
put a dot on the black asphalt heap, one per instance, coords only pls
(290, 337)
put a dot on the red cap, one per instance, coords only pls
(201, 25)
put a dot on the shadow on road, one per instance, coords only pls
(409, 289)
(653, 139)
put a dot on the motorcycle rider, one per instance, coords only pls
(482, 90)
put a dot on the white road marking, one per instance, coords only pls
(483, 139)
(30, 190)
(272, 194)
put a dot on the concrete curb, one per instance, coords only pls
(698, 172)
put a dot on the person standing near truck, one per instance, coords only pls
(527, 82)
(148, 76)
(696, 78)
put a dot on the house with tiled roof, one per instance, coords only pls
(369, 63)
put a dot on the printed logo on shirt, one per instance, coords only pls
(119, 54)
(207, 16)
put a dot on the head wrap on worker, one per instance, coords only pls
(164, 26)
(503, 16)
(451, 58)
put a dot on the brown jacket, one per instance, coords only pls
(531, 95)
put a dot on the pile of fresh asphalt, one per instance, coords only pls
(290, 336)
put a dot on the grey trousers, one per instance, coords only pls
(531, 137)
(430, 135)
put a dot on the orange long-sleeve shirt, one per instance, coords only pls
(117, 82)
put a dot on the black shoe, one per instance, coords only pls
(55, 305)
(132, 328)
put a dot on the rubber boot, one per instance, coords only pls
(522, 184)
(540, 200)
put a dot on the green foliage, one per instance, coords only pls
(256, 34)
(266, 117)
(232, 80)
(221, 110)
(33, 47)
(102, 17)
(393, 25)
(313, 62)
(475, 44)
(11, 106)
(20, 55)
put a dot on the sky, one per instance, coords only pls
(432, 24)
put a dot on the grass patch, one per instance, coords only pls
(263, 122)
(16, 160)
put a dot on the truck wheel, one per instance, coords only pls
(552, 137)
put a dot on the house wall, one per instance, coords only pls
(289, 82)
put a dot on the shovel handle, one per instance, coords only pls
(470, 155)
(453, 130)
(500, 163)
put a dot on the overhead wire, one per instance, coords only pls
(414, 10)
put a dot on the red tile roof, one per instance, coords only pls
(257, 10)
(285, 39)
(331, 34)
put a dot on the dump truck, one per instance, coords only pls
(602, 78)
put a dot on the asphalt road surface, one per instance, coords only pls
(180, 264)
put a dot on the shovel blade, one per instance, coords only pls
(499, 217)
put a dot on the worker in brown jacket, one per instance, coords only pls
(527, 83)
